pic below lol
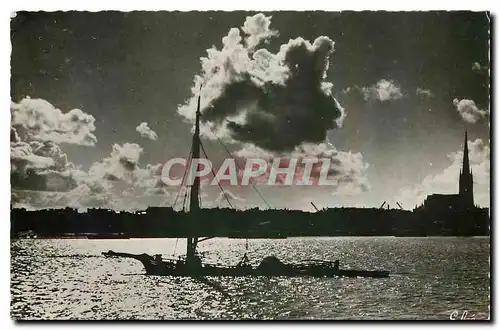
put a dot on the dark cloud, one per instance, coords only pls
(275, 101)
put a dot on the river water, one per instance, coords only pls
(433, 279)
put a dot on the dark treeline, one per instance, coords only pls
(165, 222)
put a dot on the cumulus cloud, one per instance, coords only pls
(347, 170)
(121, 165)
(87, 194)
(476, 66)
(446, 182)
(275, 104)
(146, 131)
(352, 89)
(14, 198)
(469, 111)
(38, 165)
(275, 101)
(424, 93)
(120, 181)
(37, 129)
(228, 195)
(42, 176)
(40, 120)
(116, 182)
(149, 178)
(256, 29)
(14, 137)
(383, 90)
(23, 158)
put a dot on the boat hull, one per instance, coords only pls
(290, 272)
(173, 268)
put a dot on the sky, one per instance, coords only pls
(101, 100)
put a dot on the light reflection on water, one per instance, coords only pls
(68, 279)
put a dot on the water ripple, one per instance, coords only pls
(68, 279)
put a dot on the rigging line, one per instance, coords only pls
(213, 173)
(229, 153)
(175, 246)
(185, 171)
(184, 201)
(199, 200)
(187, 206)
(180, 190)
(183, 208)
(183, 176)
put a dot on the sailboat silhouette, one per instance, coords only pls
(192, 264)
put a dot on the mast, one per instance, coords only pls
(194, 203)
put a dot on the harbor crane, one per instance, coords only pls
(314, 206)
(388, 206)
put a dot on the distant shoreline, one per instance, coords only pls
(274, 238)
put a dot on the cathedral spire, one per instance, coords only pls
(465, 164)
(466, 183)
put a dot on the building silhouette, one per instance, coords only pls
(464, 200)
(456, 214)
(439, 215)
